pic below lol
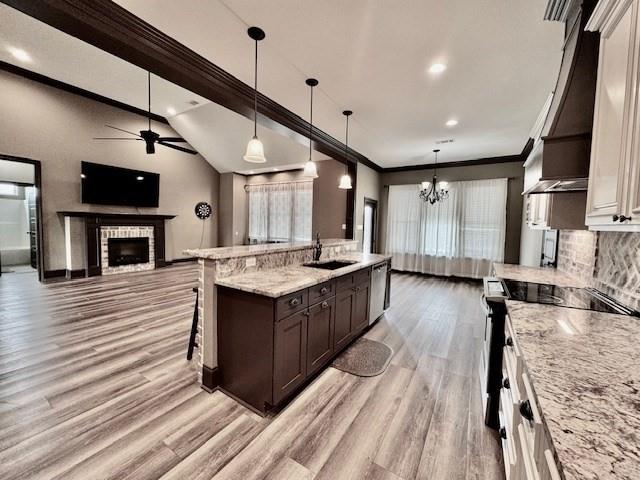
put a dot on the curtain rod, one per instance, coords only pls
(276, 183)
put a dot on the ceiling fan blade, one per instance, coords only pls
(123, 130)
(172, 139)
(175, 147)
(115, 138)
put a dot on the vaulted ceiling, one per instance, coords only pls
(373, 57)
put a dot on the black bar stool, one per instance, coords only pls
(194, 328)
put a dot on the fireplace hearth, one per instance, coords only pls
(128, 251)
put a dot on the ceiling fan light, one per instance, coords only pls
(310, 170)
(255, 151)
(345, 182)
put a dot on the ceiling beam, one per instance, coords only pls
(110, 27)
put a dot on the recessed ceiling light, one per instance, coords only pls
(275, 169)
(250, 172)
(452, 123)
(171, 110)
(139, 178)
(20, 54)
(437, 68)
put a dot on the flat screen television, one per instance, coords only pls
(107, 185)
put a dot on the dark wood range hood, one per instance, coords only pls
(566, 134)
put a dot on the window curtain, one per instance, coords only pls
(459, 236)
(280, 212)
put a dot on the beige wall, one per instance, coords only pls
(56, 127)
(368, 185)
(512, 170)
(232, 224)
(329, 202)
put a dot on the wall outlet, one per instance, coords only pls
(250, 262)
(344, 226)
(360, 227)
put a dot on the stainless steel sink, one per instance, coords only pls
(330, 264)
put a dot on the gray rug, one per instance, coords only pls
(365, 358)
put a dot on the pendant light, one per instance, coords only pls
(345, 180)
(310, 170)
(255, 150)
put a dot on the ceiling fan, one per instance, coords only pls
(150, 137)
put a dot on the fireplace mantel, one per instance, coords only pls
(94, 221)
(124, 216)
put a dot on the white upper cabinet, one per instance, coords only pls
(613, 201)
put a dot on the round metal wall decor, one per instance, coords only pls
(203, 210)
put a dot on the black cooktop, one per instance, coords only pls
(571, 297)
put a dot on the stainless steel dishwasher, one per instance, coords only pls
(378, 286)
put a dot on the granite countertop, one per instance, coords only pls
(585, 370)
(537, 275)
(280, 281)
(262, 248)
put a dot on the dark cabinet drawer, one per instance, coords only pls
(320, 292)
(291, 303)
(347, 281)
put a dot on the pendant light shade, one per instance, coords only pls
(345, 180)
(255, 149)
(310, 170)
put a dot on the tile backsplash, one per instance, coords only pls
(610, 259)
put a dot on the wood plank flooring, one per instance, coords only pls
(94, 384)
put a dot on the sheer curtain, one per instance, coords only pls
(460, 236)
(280, 212)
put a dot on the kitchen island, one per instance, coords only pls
(278, 328)
(218, 263)
(570, 404)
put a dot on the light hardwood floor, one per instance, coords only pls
(94, 384)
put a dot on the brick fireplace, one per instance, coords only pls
(109, 243)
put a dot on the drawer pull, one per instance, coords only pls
(509, 342)
(624, 218)
(506, 383)
(325, 305)
(294, 302)
(615, 218)
(503, 433)
(525, 410)
(323, 290)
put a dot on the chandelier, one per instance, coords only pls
(433, 191)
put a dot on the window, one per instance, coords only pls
(11, 190)
(280, 212)
(461, 235)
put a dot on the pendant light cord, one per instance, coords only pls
(255, 96)
(311, 123)
(346, 148)
(149, 96)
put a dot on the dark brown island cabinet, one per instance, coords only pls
(269, 347)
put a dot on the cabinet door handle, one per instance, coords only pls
(294, 301)
(509, 342)
(624, 218)
(615, 218)
(506, 384)
(324, 305)
(525, 410)
(323, 290)
(503, 433)
(306, 313)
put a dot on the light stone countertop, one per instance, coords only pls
(262, 248)
(585, 370)
(546, 275)
(276, 282)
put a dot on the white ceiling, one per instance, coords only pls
(219, 134)
(373, 56)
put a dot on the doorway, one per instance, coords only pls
(370, 226)
(20, 217)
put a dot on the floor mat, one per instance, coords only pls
(365, 358)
